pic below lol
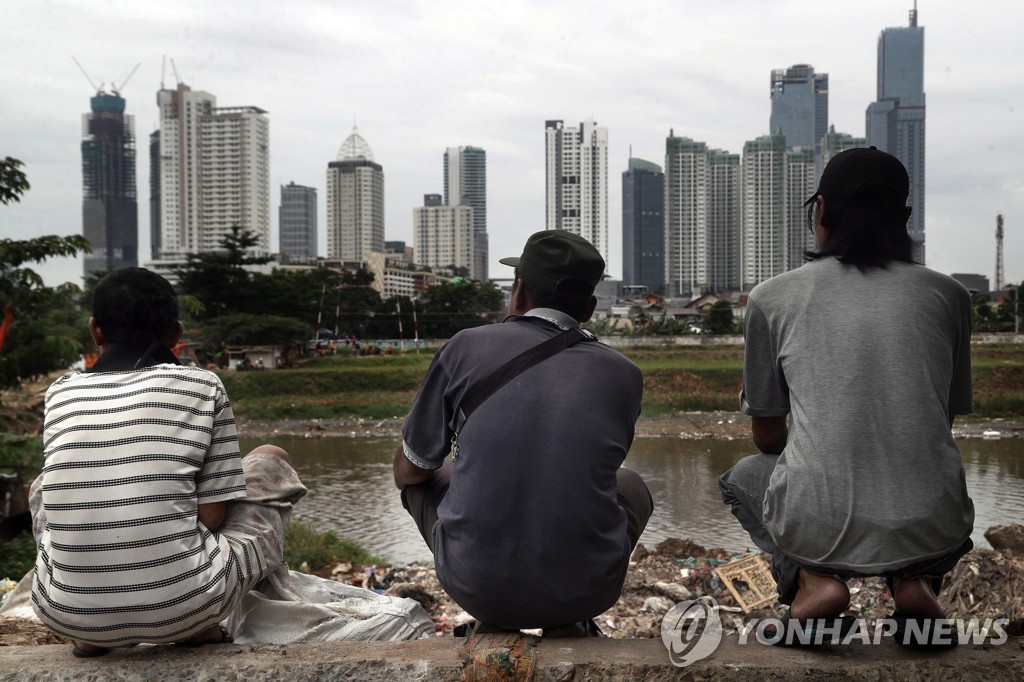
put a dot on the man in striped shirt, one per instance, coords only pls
(150, 525)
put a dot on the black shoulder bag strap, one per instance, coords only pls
(482, 390)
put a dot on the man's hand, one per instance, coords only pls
(770, 434)
(407, 473)
(212, 515)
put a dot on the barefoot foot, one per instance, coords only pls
(914, 597)
(819, 596)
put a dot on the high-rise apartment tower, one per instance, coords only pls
(211, 174)
(763, 220)
(577, 181)
(110, 213)
(686, 216)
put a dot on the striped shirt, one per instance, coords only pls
(129, 456)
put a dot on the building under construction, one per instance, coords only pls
(110, 212)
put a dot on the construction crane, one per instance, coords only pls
(999, 252)
(113, 87)
(117, 90)
(82, 69)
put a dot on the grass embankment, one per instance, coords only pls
(676, 379)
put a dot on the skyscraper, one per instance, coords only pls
(297, 223)
(702, 218)
(577, 181)
(800, 107)
(724, 217)
(763, 181)
(686, 225)
(110, 213)
(800, 182)
(443, 235)
(643, 225)
(355, 201)
(210, 173)
(465, 183)
(895, 121)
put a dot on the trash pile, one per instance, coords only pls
(986, 583)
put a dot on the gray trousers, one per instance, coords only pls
(743, 489)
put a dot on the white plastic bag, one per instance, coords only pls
(295, 607)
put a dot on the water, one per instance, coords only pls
(352, 492)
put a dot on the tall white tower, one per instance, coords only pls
(577, 181)
(210, 173)
(355, 201)
(763, 179)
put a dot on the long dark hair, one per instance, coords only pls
(867, 235)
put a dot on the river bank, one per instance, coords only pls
(683, 425)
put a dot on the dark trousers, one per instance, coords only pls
(421, 501)
(743, 489)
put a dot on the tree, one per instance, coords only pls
(450, 307)
(247, 329)
(720, 319)
(218, 279)
(42, 327)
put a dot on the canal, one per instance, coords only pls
(351, 490)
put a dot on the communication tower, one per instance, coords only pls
(999, 252)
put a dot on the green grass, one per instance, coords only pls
(676, 378)
(303, 544)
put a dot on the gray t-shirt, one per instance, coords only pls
(530, 533)
(869, 366)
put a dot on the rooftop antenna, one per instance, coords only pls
(117, 90)
(163, 71)
(80, 68)
(913, 15)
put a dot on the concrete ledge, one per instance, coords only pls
(509, 658)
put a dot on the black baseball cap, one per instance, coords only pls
(864, 175)
(553, 258)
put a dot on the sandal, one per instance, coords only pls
(814, 631)
(198, 640)
(923, 634)
(584, 628)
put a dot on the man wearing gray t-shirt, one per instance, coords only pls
(533, 519)
(868, 355)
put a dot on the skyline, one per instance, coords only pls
(419, 78)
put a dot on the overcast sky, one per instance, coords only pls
(420, 76)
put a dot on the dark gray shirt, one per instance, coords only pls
(869, 366)
(530, 533)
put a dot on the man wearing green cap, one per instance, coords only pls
(533, 519)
